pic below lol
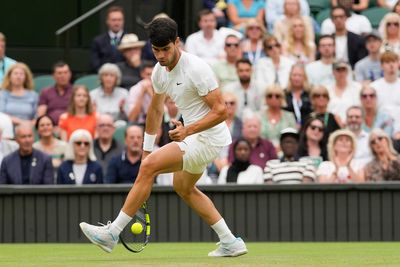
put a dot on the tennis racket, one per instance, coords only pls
(136, 242)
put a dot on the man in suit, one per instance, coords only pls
(104, 46)
(26, 165)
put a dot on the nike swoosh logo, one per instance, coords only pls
(178, 83)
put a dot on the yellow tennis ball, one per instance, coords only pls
(137, 228)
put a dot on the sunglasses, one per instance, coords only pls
(375, 140)
(314, 127)
(230, 103)
(231, 44)
(365, 96)
(80, 143)
(320, 95)
(270, 47)
(277, 96)
(392, 24)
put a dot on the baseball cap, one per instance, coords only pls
(374, 34)
(340, 64)
(289, 132)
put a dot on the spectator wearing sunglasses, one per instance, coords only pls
(385, 165)
(389, 28)
(374, 118)
(80, 165)
(312, 142)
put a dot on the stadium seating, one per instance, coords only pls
(43, 81)
(90, 81)
(119, 134)
(317, 6)
(375, 15)
(322, 15)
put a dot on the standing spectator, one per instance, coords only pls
(104, 47)
(234, 123)
(53, 101)
(385, 165)
(7, 126)
(252, 46)
(208, 42)
(341, 168)
(274, 10)
(131, 48)
(288, 169)
(109, 97)
(124, 168)
(140, 95)
(80, 165)
(390, 30)
(296, 94)
(6, 146)
(241, 171)
(5, 62)
(369, 68)
(245, 89)
(262, 150)
(18, 100)
(26, 165)
(312, 141)
(105, 146)
(47, 143)
(80, 114)
(275, 68)
(240, 11)
(225, 69)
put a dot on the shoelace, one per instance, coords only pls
(105, 225)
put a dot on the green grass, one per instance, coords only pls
(195, 254)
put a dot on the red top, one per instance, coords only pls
(73, 122)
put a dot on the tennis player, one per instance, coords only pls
(190, 82)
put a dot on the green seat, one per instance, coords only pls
(43, 81)
(90, 81)
(322, 15)
(317, 6)
(375, 15)
(119, 134)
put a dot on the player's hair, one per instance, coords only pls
(162, 31)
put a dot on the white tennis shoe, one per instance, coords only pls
(234, 249)
(100, 235)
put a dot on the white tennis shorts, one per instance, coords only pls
(198, 153)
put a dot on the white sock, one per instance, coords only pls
(224, 233)
(119, 223)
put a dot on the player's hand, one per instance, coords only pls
(179, 133)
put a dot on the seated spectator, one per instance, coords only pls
(246, 89)
(262, 150)
(298, 45)
(319, 99)
(275, 68)
(26, 165)
(7, 126)
(355, 5)
(124, 168)
(105, 146)
(283, 25)
(80, 165)
(396, 5)
(369, 68)
(104, 46)
(386, 163)
(53, 101)
(312, 141)
(47, 143)
(240, 11)
(17, 99)
(171, 113)
(5, 61)
(6, 146)
(241, 171)
(80, 114)
(341, 168)
(208, 42)
(374, 118)
(288, 169)
(234, 123)
(342, 93)
(109, 97)
(296, 94)
(274, 10)
(140, 96)
(274, 119)
(389, 28)
(252, 47)
(131, 48)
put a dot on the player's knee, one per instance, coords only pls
(183, 191)
(148, 168)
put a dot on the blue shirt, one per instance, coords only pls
(120, 170)
(5, 64)
(23, 107)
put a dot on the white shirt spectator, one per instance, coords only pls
(108, 103)
(327, 168)
(252, 175)
(250, 98)
(363, 154)
(274, 11)
(356, 23)
(341, 48)
(7, 126)
(209, 50)
(288, 172)
(266, 74)
(134, 97)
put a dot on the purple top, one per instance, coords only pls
(56, 104)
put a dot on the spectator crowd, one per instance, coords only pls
(306, 102)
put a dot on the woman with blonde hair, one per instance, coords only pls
(252, 46)
(389, 28)
(341, 167)
(80, 114)
(17, 99)
(274, 119)
(386, 163)
(298, 45)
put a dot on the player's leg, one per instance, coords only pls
(167, 159)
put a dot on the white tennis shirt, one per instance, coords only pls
(188, 81)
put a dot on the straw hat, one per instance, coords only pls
(130, 40)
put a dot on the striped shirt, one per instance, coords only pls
(288, 172)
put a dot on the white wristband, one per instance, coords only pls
(148, 142)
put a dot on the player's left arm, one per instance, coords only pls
(216, 115)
